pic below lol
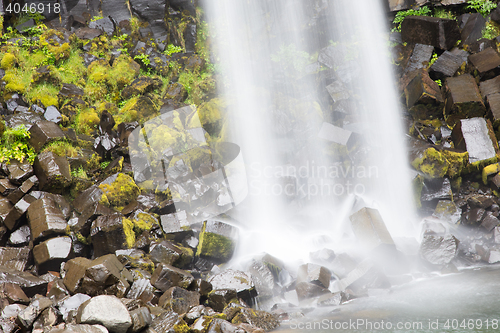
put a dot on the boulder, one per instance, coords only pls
(232, 279)
(71, 304)
(12, 219)
(218, 299)
(27, 316)
(260, 319)
(22, 190)
(179, 300)
(141, 318)
(438, 32)
(107, 311)
(166, 276)
(105, 24)
(370, 229)
(216, 241)
(19, 172)
(463, 99)
(438, 250)
(44, 132)
(20, 237)
(166, 322)
(446, 65)
(14, 257)
(52, 114)
(423, 97)
(314, 274)
(420, 56)
(51, 253)
(141, 86)
(472, 30)
(45, 219)
(485, 61)
(53, 172)
(476, 136)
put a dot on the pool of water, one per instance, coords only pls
(468, 301)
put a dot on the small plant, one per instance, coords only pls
(95, 18)
(444, 13)
(144, 58)
(433, 59)
(400, 16)
(483, 7)
(490, 31)
(15, 145)
(79, 173)
(171, 49)
(439, 82)
(104, 164)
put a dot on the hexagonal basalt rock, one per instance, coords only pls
(107, 234)
(45, 219)
(44, 132)
(50, 254)
(179, 300)
(216, 241)
(52, 171)
(238, 280)
(166, 276)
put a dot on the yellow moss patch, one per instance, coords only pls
(124, 71)
(62, 148)
(120, 192)
(86, 121)
(8, 61)
(490, 170)
(134, 227)
(431, 163)
(210, 112)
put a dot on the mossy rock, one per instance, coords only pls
(215, 246)
(211, 115)
(136, 225)
(137, 109)
(435, 164)
(118, 190)
(141, 86)
(8, 61)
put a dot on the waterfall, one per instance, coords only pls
(309, 166)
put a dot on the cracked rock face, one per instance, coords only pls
(107, 311)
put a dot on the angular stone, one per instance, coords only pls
(314, 274)
(165, 323)
(216, 241)
(490, 87)
(463, 99)
(232, 279)
(88, 33)
(141, 289)
(141, 86)
(22, 190)
(476, 136)
(176, 225)
(369, 228)
(490, 221)
(337, 134)
(141, 318)
(13, 293)
(14, 257)
(166, 276)
(263, 278)
(420, 56)
(260, 319)
(107, 311)
(44, 132)
(365, 275)
(69, 90)
(13, 217)
(164, 252)
(48, 318)
(105, 24)
(446, 65)
(219, 298)
(5, 208)
(45, 219)
(439, 250)
(29, 314)
(105, 275)
(50, 254)
(107, 234)
(440, 33)
(6, 186)
(447, 211)
(52, 114)
(486, 60)
(201, 286)
(179, 300)
(472, 30)
(307, 290)
(70, 305)
(19, 172)
(52, 171)
(425, 92)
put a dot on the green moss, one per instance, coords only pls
(123, 72)
(214, 246)
(8, 61)
(431, 163)
(181, 328)
(62, 148)
(46, 93)
(120, 192)
(490, 170)
(86, 121)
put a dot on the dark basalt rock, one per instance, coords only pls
(476, 136)
(164, 252)
(70, 91)
(445, 66)
(6, 187)
(485, 61)
(176, 92)
(88, 33)
(472, 30)
(104, 144)
(13, 293)
(106, 24)
(165, 322)
(364, 276)
(463, 99)
(166, 276)
(307, 290)
(141, 318)
(260, 319)
(107, 234)
(179, 300)
(14, 258)
(440, 33)
(423, 97)
(13, 217)
(314, 274)
(53, 115)
(420, 56)
(51, 253)
(21, 236)
(439, 250)
(45, 219)
(238, 280)
(5, 208)
(106, 310)
(216, 241)
(141, 86)
(18, 172)
(52, 171)
(29, 283)
(27, 316)
(141, 289)
(218, 299)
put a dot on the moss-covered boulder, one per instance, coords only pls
(437, 164)
(216, 241)
(53, 172)
(118, 190)
(261, 319)
(141, 86)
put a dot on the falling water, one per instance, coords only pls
(301, 192)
